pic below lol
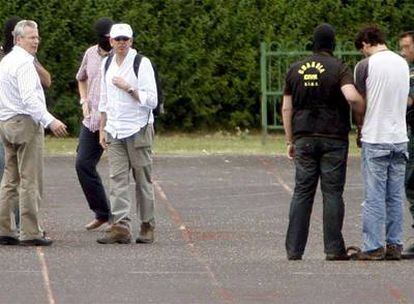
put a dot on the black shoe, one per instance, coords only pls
(294, 257)
(37, 242)
(408, 253)
(9, 240)
(337, 257)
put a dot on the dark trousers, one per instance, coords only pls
(315, 158)
(409, 173)
(89, 154)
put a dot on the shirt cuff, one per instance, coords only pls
(47, 119)
(142, 97)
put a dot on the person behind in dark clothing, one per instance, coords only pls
(407, 51)
(89, 150)
(318, 93)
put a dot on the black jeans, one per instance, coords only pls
(324, 158)
(409, 173)
(89, 154)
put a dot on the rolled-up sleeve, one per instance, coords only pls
(147, 87)
(28, 82)
(82, 73)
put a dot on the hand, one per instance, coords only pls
(290, 151)
(58, 128)
(102, 139)
(120, 83)
(85, 109)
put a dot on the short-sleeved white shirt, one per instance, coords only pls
(384, 80)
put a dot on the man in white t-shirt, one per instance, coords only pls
(383, 79)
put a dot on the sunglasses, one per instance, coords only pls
(121, 38)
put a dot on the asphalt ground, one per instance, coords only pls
(221, 224)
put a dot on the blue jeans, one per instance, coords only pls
(89, 154)
(383, 170)
(325, 159)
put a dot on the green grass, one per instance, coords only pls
(200, 144)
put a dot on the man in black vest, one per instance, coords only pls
(316, 117)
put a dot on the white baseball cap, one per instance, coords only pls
(121, 29)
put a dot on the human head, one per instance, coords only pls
(26, 35)
(102, 28)
(8, 28)
(407, 46)
(121, 38)
(367, 38)
(324, 38)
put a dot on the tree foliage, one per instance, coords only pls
(207, 51)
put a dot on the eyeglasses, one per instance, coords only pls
(121, 38)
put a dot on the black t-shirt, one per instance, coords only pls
(319, 106)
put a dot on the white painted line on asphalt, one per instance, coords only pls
(46, 279)
(331, 274)
(20, 271)
(284, 184)
(175, 216)
(168, 272)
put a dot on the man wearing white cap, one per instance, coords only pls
(126, 103)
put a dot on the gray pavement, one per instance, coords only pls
(221, 223)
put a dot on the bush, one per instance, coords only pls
(207, 52)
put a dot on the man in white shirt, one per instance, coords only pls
(383, 79)
(23, 115)
(126, 104)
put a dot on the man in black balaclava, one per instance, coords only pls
(89, 149)
(324, 38)
(102, 28)
(317, 94)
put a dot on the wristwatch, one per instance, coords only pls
(131, 91)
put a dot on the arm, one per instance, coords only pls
(146, 94)
(36, 107)
(45, 78)
(287, 112)
(356, 101)
(83, 93)
(102, 134)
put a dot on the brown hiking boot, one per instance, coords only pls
(146, 235)
(96, 223)
(372, 255)
(118, 235)
(393, 252)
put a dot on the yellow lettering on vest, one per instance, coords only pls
(310, 77)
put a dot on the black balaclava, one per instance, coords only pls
(9, 25)
(102, 28)
(324, 38)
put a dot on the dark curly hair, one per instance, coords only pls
(371, 34)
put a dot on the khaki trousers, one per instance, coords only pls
(125, 154)
(22, 182)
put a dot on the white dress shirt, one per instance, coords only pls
(20, 89)
(125, 114)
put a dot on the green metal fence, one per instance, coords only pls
(274, 63)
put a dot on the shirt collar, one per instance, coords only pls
(22, 51)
